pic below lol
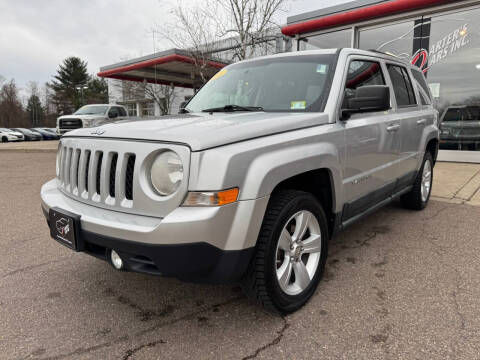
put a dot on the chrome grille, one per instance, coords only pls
(113, 174)
(70, 123)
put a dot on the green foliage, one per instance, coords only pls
(35, 110)
(72, 73)
(97, 92)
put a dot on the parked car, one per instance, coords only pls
(28, 134)
(90, 116)
(7, 135)
(46, 135)
(251, 190)
(460, 128)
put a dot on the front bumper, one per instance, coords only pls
(211, 244)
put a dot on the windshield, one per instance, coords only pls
(469, 113)
(91, 110)
(293, 83)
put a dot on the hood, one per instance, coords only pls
(80, 116)
(202, 131)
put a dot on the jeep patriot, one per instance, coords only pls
(268, 161)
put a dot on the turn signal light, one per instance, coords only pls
(211, 198)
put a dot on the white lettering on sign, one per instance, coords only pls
(448, 45)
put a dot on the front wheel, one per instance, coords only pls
(418, 197)
(291, 251)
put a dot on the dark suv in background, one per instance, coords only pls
(460, 128)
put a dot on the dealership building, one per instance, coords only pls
(442, 37)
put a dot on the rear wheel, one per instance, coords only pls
(4, 139)
(417, 198)
(290, 254)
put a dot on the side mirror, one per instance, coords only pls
(182, 107)
(112, 114)
(368, 99)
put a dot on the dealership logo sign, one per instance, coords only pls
(442, 49)
(63, 226)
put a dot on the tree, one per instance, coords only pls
(243, 25)
(163, 95)
(194, 31)
(11, 110)
(35, 110)
(72, 73)
(247, 22)
(97, 91)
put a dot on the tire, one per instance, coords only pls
(414, 199)
(4, 139)
(261, 282)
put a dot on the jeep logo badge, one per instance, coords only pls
(98, 132)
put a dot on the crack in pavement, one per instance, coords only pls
(152, 344)
(31, 267)
(274, 342)
(81, 350)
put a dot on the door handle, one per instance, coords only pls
(421, 122)
(393, 128)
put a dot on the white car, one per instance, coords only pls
(7, 135)
(90, 116)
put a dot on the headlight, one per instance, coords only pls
(166, 173)
(86, 123)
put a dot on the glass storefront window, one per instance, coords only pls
(132, 109)
(331, 40)
(148, 109)
(453, 74)
(396, 39)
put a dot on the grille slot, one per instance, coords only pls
(98, 174)
(113, 170)
(77, 166)
(129, 177)
(87, 167)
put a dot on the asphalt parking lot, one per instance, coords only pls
(398, 285)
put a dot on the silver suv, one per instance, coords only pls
(272, 157)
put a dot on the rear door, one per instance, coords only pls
(372, 142)
(413, 118)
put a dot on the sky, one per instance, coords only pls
(35, 36)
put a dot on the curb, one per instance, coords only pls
(23, 150)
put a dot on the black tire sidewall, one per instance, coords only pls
(283, 301)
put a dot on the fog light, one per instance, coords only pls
(117, 261)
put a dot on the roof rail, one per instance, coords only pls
(384, 53)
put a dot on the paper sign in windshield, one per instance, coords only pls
(298, 105)
(219, 74)
(322, 68)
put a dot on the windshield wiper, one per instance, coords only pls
(228, 108)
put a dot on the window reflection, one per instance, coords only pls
(331, 40)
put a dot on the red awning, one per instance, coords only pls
(168, 67)
(353, 16)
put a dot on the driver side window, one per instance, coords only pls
(361, 73)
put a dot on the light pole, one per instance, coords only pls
(82, 88)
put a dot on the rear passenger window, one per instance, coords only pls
(402, 86)
(418, 76)
(362, 73)
(121, 111)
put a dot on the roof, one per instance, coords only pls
(353, 12)
(172, 66)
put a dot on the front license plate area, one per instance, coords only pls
(64, 228)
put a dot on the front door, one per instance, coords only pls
(372, 144)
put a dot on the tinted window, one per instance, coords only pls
(361, 73)
(453, 115)
(113, 111)
(121, 111)
(402, 86)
